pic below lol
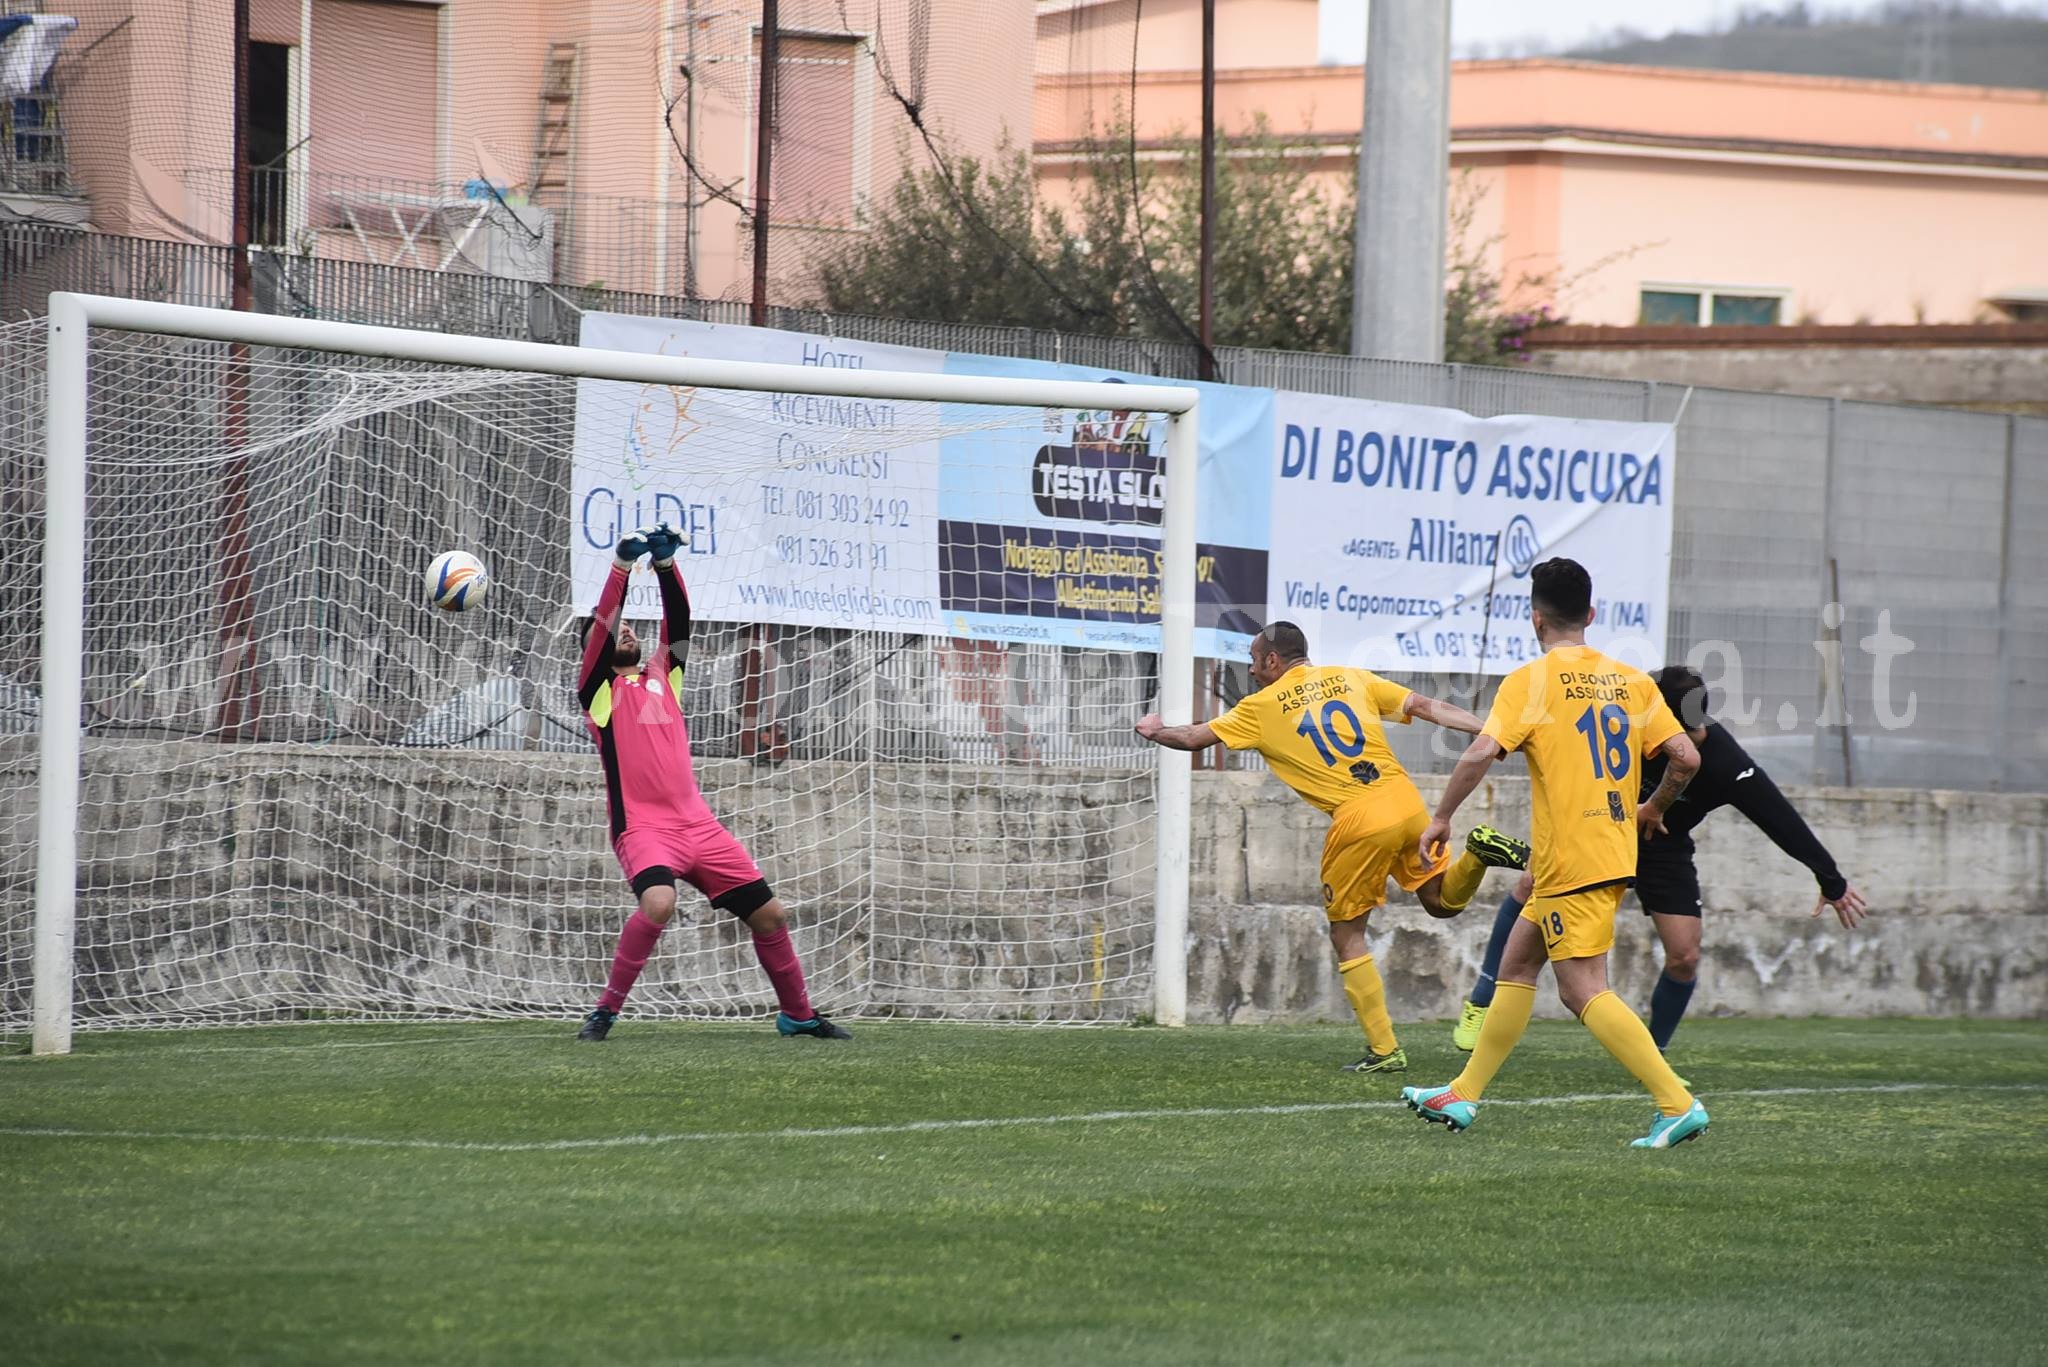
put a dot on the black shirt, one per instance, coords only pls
(1728, 777)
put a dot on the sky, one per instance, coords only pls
(1483, 27)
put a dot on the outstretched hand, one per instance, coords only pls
(1150, 725)
(663, 541)
(1850, 909)
(631, 548)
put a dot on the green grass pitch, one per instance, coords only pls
(1870, 1191)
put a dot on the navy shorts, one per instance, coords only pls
(1667, 886)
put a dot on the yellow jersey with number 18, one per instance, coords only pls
(1321, 729)
(1584, 722)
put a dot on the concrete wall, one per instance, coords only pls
(216, 877)
(1958, 882)
(1985, 376)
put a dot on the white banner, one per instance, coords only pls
(1403, 536)
(848, 540)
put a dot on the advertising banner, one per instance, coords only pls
(800, 509)
(1399, 537)
(1403, 536)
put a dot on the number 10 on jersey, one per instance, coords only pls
(1331, 735)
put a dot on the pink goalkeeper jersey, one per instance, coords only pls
(637, 723)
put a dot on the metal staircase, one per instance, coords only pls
(554, 142)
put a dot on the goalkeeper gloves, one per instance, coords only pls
(663, 542)
(632, 548)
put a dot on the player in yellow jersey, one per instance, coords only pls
(1585, 723)
(1322, 730)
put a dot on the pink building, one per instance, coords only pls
(1648, 194)
(612, 141)
(585, 141)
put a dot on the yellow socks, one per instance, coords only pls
(1369, 999)
(1461, 880)
(1626, 1037)
(1506, 1019)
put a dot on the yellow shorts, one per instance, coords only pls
(1366, 846)
(1578, 925)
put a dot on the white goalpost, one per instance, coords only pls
(272, 783)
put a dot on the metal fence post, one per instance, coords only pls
(2001, 736)
(1831, 689)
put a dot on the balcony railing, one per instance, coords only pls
(472, 227)
(32, 160)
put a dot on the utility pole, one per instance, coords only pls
(1207, 362)
(691, 203)
(764, 131)
(238, 696)
(1397, 300)
(238, 158)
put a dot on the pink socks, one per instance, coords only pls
(636, 943)
(777, 954)
(778, 960)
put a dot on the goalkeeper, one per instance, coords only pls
(661, 828)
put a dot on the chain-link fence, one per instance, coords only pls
(1867, 583)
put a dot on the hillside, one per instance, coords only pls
(1986, 49)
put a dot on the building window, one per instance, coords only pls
(267, 137)
(1698, 305)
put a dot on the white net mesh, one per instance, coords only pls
(307, 792)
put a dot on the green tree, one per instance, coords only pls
(970, 242)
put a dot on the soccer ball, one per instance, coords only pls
(456, 580)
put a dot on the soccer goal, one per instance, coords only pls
(250, 773)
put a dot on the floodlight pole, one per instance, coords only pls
(1397, 300)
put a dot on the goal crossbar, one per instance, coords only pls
(70, 320)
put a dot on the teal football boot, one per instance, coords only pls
(1440, 1106)
(1668, 1130)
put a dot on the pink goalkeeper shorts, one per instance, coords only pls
(706, 856)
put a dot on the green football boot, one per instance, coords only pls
(1495, 850)
(1465, 1033)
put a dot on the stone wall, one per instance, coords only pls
(2003, 375)
(430, 880)
(1958, 883)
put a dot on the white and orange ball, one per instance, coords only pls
(456, 581)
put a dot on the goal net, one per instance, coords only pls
(305, 792)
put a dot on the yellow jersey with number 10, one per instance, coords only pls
(1584, 722)
(1321, 729)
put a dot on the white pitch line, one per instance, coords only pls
(503, 1037)
(936, 1126)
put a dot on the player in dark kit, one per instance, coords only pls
(661, 828)
(1667, 879)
